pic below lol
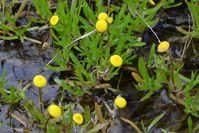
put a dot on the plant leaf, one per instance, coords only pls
(133, 125)
(155, 121)
(98, 127)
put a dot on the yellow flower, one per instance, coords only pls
(151, 2)
(54, 110)
(54, 20)
(101, 25)
(78, 118)
(163, 46)
(120, 102)
(137, 77)
(116, 60)
(102, 16)
(109, 20)
(39, 81)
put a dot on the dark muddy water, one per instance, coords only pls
(22, 62)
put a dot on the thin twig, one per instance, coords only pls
(38, 28)
(112, 112)
(188, 40)
(185, 46)
(149, 26)
(32, 40)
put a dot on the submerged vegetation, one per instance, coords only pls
(114, 71)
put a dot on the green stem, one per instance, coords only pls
(46, 123)
(40, 99)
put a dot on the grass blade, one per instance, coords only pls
(133, 125)
(155, 121)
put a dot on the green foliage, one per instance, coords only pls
(2, 80)
(194, 9)
(153, 123)
(150, 83)
(97, 128)
(35, 113)
(85, 53)
(190, 124)
(11, 95)
(172, 4)
(192, 99)
(142, 9)
(90, 56)
(75, 90)
(167, 71)
(19, 32)
(43, 8)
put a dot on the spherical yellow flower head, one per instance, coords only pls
(54, 110)
(120, 102)
(102, 16)
(116, 60)
(163, 46)
(151, 2)
(101, 25)
(54, 20)
(109, 20)
(39, 81)
(78, 118)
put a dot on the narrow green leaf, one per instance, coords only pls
(190, 124)
(98, 127)
(133, 125)
(155, 121)
(152, 52)
(143, 70)
(147, 96)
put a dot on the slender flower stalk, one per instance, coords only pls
(149, 27)
(40, 99)
(40, 81)
(46, 123)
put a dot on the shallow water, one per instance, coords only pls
(22, 62)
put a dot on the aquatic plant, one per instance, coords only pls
(95, 45)
(40, 82)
